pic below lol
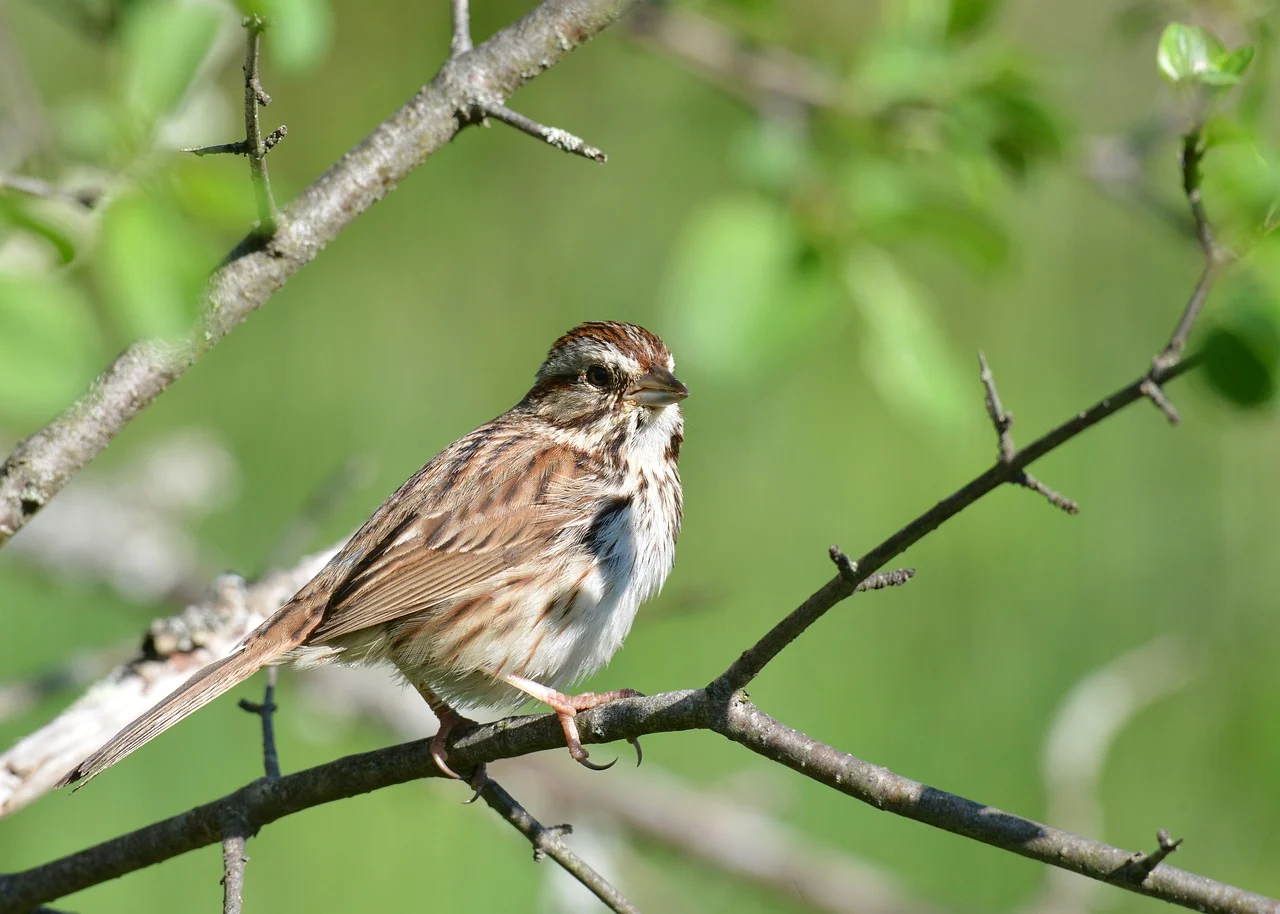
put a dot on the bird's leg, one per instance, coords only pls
(567, 708)
(449, 719)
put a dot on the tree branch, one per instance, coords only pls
(546, 843)
(265, 801)
(257, 268)
(552, 136)
(266, 711)
(755, 658)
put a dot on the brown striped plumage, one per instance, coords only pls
(510, 565)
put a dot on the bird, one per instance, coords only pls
(511, 565)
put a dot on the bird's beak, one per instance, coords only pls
(659, 387)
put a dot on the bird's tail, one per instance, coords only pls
(259, 649)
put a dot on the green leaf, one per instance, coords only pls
(738, 290)
(164, 43)
(969, 17)
(48, 345)
(151, 266)
(1237, 61)
(1187, 51)
(904, 348)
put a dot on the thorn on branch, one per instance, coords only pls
(1141, 865)
(561, 139)
(1002, 421)
(848, 567)
(1155, 393)
(1057, 499)
(849, 572)
(266, 710)
(238, 148)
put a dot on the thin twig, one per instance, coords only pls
(1141, 865)
(560, 139)
(238, 148)
(234, 837)
(1215, 258)
(546, 843)
(266, 711)
(1002, 421)
(460, 43)
(254, 95)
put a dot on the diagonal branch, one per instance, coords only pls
(546, 843)
(256, 269)
(755, 658)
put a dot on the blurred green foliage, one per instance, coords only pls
(824, 276)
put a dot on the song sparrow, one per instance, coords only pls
(509, 566)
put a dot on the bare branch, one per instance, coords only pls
(256, 269)
(546, 843)
(755, 658)
(266, 711)
(255, 147)
(730, 833)
(174, 648)
(1215, 258)
(554, 136)
(1077, 744)
(265, 801)
(1002, 421)
(234, 838)
(461, 41)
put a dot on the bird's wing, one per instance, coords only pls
(484, 507)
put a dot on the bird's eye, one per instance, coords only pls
(598, 376)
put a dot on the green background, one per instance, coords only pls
(430, 314)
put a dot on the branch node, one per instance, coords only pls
(1055, 498)
(1001, 420)
(848, 567)
(266, 711)
(274, 137)
(1141, 865)
(554, 136)
(460, 43)
(1155, 393)
(885, 579)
